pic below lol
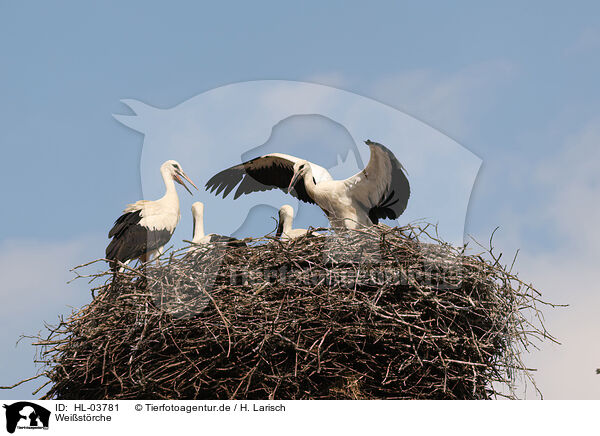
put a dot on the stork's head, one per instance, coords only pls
(286, 212)
(301, 168)
(197, 209)
(173, 168)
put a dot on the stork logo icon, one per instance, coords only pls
(26, 415)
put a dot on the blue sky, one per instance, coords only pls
(516, 84)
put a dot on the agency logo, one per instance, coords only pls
(26, 415)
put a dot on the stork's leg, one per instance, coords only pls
(155, 254)
(158, 252)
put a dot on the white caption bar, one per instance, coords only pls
(299, 417)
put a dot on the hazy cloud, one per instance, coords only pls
(34, 290)
(588, 40)
(449, 102)
(564, 188)
(572, 175)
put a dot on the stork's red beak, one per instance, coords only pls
(184, 175)
(293, 182)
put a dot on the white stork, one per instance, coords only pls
(200, 239)
(381, 190)
(286, 219)
(146, 226)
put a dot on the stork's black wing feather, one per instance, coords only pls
(131, 240)
(395, 198)
(124, 221)
(260, 174)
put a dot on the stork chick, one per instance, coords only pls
(200, 239)
(286, 219)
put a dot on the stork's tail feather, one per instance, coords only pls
(111, 253)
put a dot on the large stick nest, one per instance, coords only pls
(377, 313)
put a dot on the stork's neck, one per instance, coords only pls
(170, 191)
(286, 224)
(198, 226)
(309, 182)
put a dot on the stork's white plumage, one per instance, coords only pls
(381, 190)
(286, 220)
(200, 239)
(146, 226)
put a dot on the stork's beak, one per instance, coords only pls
(294, 181)
(184, 175)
